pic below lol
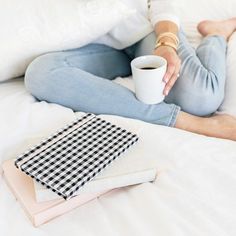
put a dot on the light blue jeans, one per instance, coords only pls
(81, 79)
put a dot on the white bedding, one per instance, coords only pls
(194, 193)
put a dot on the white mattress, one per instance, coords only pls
(194, 193)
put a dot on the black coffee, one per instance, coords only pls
(148, 68)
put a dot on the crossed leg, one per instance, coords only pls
(81, 79)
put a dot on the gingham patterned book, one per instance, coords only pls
(75, 154)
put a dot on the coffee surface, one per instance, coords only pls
(148, 68)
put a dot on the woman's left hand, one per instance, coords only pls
(173, 66)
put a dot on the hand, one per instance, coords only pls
(173, 66)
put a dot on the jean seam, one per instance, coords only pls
(66, 62)
(90, 53)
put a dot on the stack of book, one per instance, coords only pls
(49, 181)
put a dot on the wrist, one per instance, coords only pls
(168, 45)
(162, 49)
(167, 39)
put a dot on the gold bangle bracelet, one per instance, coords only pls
(168, 44)
(169, 35)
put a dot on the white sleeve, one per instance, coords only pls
(163, 10)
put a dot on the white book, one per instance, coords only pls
(117, 179)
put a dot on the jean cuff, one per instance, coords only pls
(174, 115)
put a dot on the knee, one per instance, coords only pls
(202, 104)
(201, 96)
(37, 72)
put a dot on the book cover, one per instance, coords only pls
(71, 157)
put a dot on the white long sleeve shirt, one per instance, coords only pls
(141, 23)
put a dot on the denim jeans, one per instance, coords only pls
(81, 79)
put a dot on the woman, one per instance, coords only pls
(81, 79)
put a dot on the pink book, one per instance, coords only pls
(39, 213)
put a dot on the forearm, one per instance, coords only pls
(166, 46)
(164, 27)
(164, 18)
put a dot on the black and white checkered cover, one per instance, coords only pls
(71, 157)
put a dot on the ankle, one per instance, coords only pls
(209, 126)
(218, 34)
(219, 126)
(191, 123)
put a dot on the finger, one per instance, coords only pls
(170, 84)
(169, 73)
(172, 81)
(178, 68)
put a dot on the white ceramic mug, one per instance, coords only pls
(149, 85)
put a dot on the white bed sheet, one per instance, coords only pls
(194, 193)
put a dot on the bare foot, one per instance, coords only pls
(218, 126)
(222, 126)
(224, 28)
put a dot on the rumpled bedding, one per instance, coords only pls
(194, 193)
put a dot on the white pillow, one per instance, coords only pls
(195, 11)
(33, 27)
